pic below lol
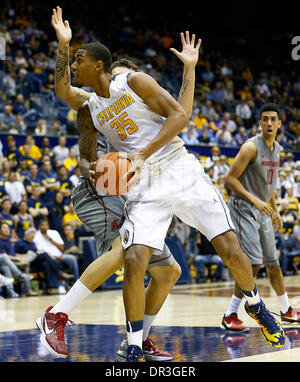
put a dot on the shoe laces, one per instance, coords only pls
(264, 316)
(62, 321)
(149, 343)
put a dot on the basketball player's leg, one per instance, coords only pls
(140, 239)
(244, 218)
(287, 312)
(103, 215)
(211, 216)
(237, 290)
(97, 273)
(276, 279)
(274, 271)
(141, 311)
(271, 261)
(56, 317)
(246, 239)
(230, 321)
(162, 281)
(164, 271)
(104, 266)
(104, 218)
(238, 263)
(99, 214)
(256, 235)
(136, 262)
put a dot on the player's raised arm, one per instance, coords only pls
(73, 96)
(87, 140)
(189, 57)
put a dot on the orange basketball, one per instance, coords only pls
(109, 172)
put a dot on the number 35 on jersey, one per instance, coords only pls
(119, 120)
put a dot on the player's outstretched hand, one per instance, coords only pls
(62, 28)
(137, 162)
(190, 52)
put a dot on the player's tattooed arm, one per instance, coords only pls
(62, 70)
(87, 140)
(73, 96)
(189, 57)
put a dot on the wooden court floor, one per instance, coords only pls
(188, 326)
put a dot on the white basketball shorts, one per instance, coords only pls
(174, 185)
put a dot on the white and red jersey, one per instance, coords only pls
(125, 119)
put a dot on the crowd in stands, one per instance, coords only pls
(39, 229)
(36, 182)
(229, 92)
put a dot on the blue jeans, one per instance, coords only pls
(49, 266)
(9, 269)
(201, 260)
(70, 262)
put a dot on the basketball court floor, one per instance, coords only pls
(188, 326)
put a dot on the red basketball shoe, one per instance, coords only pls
(233, 324)
(150, 351)
(52, 327)
(292, 315)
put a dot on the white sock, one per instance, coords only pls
(73, 298)
(284, 302)
(234, 305)
(147, 325)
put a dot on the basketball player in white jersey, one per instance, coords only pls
(143, 120)
(133, 111)
(99, 212)
(252, 178)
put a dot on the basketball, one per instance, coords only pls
(109, 172)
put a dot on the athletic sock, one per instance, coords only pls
(147, 325)
(135, 333)
(74, 297)
(284, 302)
(234, 305)
(252, 296)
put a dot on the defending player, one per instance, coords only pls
(253, 177)
(103, 213)
(166, 181)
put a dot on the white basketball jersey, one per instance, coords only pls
(125, 119)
